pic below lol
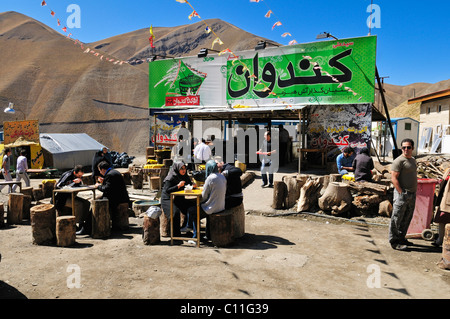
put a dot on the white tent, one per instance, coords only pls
(64, 151)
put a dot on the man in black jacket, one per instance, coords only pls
(234, 195)
(112, 186)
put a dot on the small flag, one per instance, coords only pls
(59, 23)
(254, 0)
(64, 29)
(181, 1)
(268, 14)
(276, 24)
(151, 32)
(208, 29)
(292, 42)
(193, 14)
(217, 40)
(284, 35)
(52, 13)
(43, 3)
(225, 51)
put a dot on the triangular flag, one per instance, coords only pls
(225, 51)
(52, 13)
(208, 29)
(193, 14)
(64, 29)
(59, 23)
(278, 23)
(292, 42)
(268, 14)
(151, 32)
(284, 35)
(217, 40)
(43, 3)
(254, 0)
(181, 1)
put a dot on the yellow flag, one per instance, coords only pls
(151, 32)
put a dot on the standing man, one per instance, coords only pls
(202, 152)
(344, 161)
(21, 169)
(404, 179)
(267, 164)
(6, 165)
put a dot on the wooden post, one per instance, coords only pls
(43, 224)
(101, 220)
(238, 214)
(120, 217)
(28, 191)
(221, 228)
(151, 231)
(137, 179)
(65, 231)
(38, 194)
(15, 208)
(47, 188)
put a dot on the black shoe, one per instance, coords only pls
(271, 185)
(435, 244)
(263, 185)
(400, 247)
(406, 242)
(83, 231)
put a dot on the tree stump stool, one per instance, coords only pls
(137, 179)
(26, 206)
(2, 215)
(28, 191)
(43, 224)
(444, 263)
(221, 228)
(164, 223)
(238, 214)
(120, 217)
(65, 231)
(154, 182)
(47, 188)
(101, 219)
(38, 194)
(151, 231)
(81, 208)
(15, 208)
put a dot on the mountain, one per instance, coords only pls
(51, 80)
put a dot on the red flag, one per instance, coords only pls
(151, 42)
(52, 13)
(278, 23)
(59, 23)
(64, 29)
(43, 3)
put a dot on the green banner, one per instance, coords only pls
(328, 72)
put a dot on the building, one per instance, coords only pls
(434, 121)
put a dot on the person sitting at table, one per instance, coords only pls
(234, 195)
(344, 161)
(175, 181)
(213, 196)
(363, 166)
(71, 178)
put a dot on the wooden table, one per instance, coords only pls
(314, 150)
(12, 183)
(73, 191)
(195, 193)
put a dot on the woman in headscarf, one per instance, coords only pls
(213, 195)
(176, 181)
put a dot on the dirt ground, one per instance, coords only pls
(279, 257)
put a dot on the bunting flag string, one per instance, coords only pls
(80, 44)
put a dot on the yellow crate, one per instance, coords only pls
(151, 166)
(349, 177)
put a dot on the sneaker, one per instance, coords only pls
(263, 185)
(271, 185)
(400, 247)
(192, 242)
(185, 229)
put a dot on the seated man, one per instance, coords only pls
(71, 178)
(112, 186)
(344, 161)
(234, 195)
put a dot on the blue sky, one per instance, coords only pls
(413, 36)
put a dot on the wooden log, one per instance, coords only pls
(47, 188)
(101, 219)
(151, 231)
(294, 186)
(65, 231)
(137, 179)
(337, 198)
(308, 195)
(120, 217)
(38, 194)
(444, 263)
(385, 208)
(43, 224)
(26, 207)
(279, 194)
(28, 191)
(15, 208)
(247, 177)
(87, 179)
(127, 178)
(150, 151)
(154, 182)
(335, 178)
(2, 215)
(221, 228)
(167, 162)
(238, 214)
(368, 188)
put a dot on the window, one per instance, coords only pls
(428, 110)
(407, 126)
(439, 108)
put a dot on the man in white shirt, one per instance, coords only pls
(21, 169)
(202, 152)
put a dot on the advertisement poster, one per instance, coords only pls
(166, 128)
(26, 130)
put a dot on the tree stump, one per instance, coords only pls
(137, 179)
(308, 195)
(26, 207)
(385, 208)
(167, 162)
(65, 231)
(238, 214)
(15, 208)
(294, 186)
(47, 188)
(154, 182)
(164, 223)
(336, 198)
(120, 217)
(127, 178)
(28, 191)
(247, 177)
(335, 178)
(221, 228)
(87, 179)
(279, 194)
(444, 263)
(2, 215)
(101, 220)
(151, 231)
(43, 224)
(38, 194)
